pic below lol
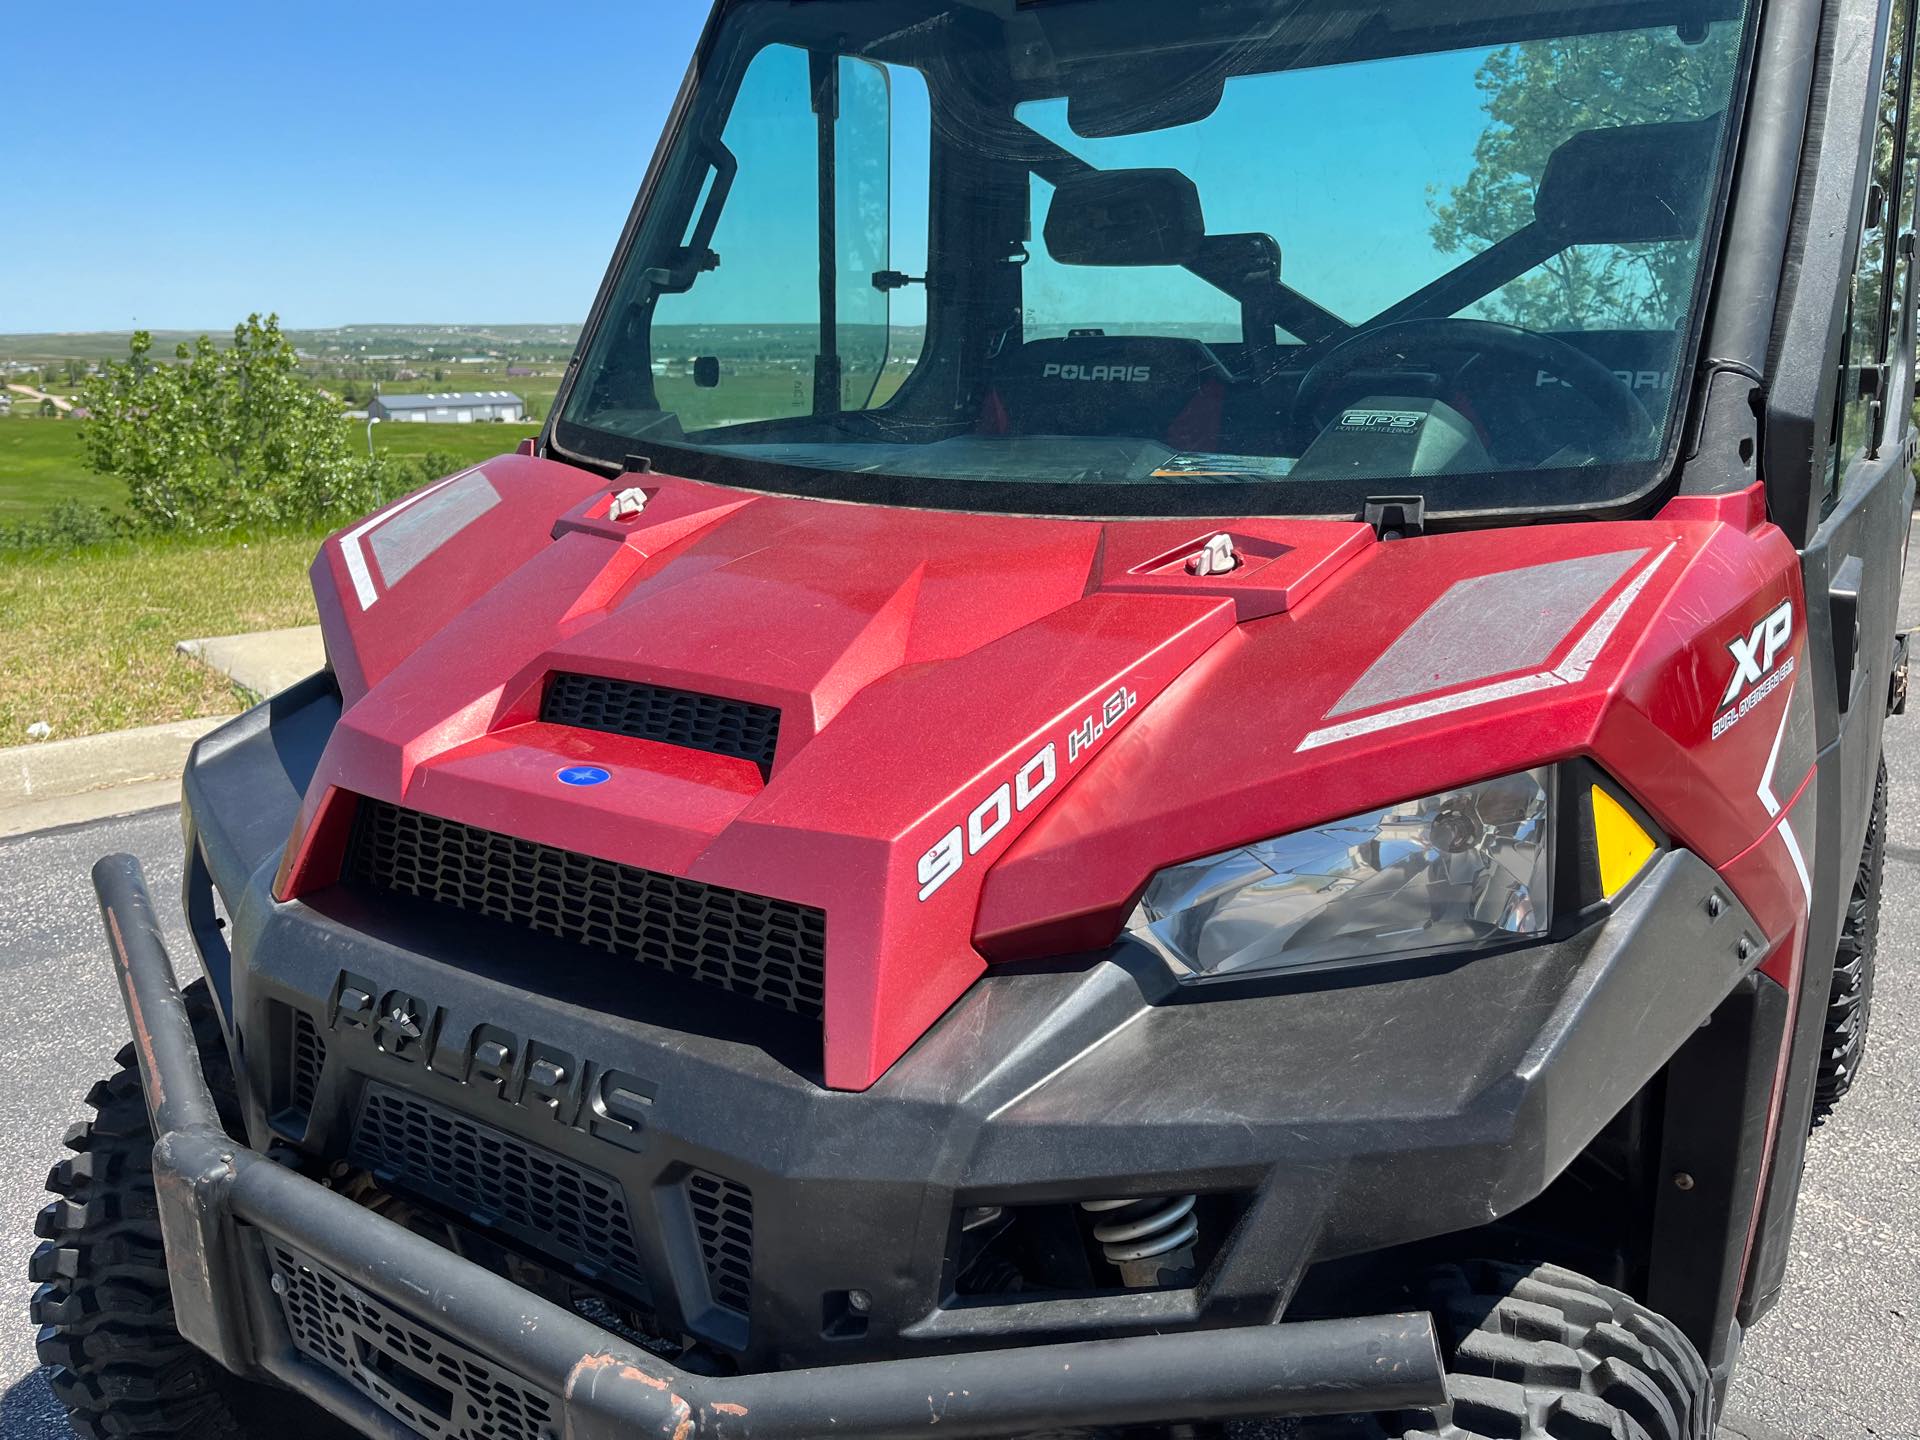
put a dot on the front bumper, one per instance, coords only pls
(275, 1273)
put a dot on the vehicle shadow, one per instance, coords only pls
(28, 1411)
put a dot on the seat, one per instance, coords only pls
(1144, 387)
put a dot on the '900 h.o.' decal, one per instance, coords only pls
(1013, 797)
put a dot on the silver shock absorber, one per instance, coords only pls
(1147, 1238)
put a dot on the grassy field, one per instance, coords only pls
(41, 461)
(86, 639)
(465, 443)
(89, 637)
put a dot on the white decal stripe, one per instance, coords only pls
(1799, 862)
(1427, 709)
(1570, 671)
(1586, 650)
(355, 557)
(1772, 802)
(1765, 792)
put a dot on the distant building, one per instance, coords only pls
(517, 371)
(6, 403)
(454, 408)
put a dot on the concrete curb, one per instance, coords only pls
(32, 816)
(64, 782)
(263, 663)
(60, 781)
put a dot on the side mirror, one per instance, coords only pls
(1628, 185)
(1125, 217)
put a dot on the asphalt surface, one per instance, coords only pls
(1839, 1359)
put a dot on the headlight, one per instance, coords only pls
(1451, 872)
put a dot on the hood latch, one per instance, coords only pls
(1396, 517)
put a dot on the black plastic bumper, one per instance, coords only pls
(263, 1259)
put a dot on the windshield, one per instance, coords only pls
(1124, 257)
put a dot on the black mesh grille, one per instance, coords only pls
(553, 1206)
(434, 1386)
(771, 950)
(309, 1059)
(723, 1216)
(674, 717)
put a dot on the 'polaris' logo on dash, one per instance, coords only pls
(1125, 374)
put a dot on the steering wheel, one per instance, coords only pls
(1623, 419)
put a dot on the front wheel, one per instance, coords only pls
(1541, 1353)
(104, 1305)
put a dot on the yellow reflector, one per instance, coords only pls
(1622, 845)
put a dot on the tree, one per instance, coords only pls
(1540, 93)
(222, 438)
(1869, 285)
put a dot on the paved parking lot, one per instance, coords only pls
(1839, 1360)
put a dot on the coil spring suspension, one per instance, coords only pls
(1147, 1238)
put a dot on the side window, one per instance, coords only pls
(1878, 277)
(739, 345)
(746, 341)
(909, 207)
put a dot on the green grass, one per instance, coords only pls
(40, 464)
(465, 443)
(86, 639)
(41, 460)
(89, 636)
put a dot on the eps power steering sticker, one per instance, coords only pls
(1755, 673)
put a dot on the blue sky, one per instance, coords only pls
(184, 164)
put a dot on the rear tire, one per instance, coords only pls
(1540, 1353)
(104, 1306)
(1843, 1046)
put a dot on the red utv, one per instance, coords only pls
(1179, 727)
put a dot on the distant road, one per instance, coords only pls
(60, 402)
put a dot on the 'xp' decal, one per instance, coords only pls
(1754, 673)
(582, 775)
(1011, 797)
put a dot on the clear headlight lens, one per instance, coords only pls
(1457, 871)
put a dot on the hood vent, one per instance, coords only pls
(672, 717)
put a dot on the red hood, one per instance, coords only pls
(922, 664)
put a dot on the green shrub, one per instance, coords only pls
(69, 525)
(222, 439)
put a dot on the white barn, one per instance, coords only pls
(462, 407)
